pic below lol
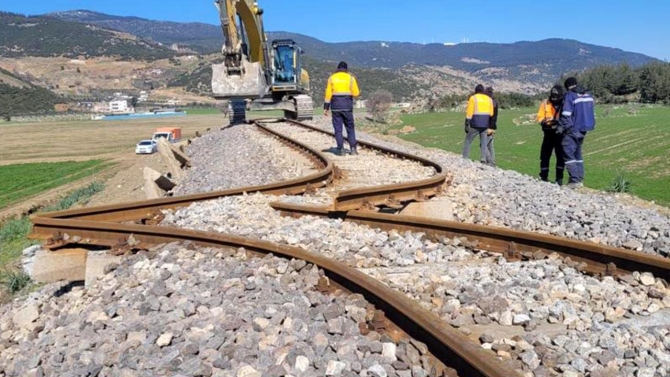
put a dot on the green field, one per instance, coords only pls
(21, 181)
(634, 140)
(203, 111)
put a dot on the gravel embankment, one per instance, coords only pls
(368, 168)
(492, 196)
(206, 312)
(542, 316)
(239, 156)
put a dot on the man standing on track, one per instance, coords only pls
(341, 90)
(577, 118)
(477, 121)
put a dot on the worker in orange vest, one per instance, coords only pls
(547, 115)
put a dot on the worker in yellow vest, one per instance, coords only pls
(341, 89)
(478, 117)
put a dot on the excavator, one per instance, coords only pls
(256, 74)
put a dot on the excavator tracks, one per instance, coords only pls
(304, 108)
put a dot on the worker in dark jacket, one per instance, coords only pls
(341, 90)
(491, 131)
(477, 121)
(577, 118)
(547, 115)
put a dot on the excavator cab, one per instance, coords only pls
(288, 77)
(286, 67)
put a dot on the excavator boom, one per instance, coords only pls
(241, 75)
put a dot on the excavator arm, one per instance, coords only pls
(243, 73)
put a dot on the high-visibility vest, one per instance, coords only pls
(341, 84)
(341, 89)
(479, 110)
(546, 112)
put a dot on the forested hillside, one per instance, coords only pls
(28, 99)
(47, 36)
(622, 83)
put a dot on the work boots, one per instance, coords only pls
(354, 151)
(339, 152)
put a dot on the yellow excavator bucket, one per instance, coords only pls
(249, 83)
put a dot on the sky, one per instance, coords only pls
(638, 26)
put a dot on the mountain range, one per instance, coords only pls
(407, 69)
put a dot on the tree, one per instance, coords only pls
(625, 80)
(655, 82)
(379, 104)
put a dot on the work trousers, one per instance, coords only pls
(491, 157)
(344, 118)
(572, 151)
(483, 143)
(551, 144)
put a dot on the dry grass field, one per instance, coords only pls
(80, 141)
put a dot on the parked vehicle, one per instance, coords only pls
(146, 147)
(172, 134)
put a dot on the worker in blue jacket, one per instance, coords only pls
(577, 118)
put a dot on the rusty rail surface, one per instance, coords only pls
(446, 344)
(145, 210)
(514, 244)
(391, 194)
(344, 200)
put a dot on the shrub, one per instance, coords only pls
(14, 280)
(620, 183)
(15, 229)
(378, 104)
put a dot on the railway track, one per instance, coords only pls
(352, 190)
(109, 226)
(513, 244)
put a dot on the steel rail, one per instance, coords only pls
(145, 210)
(344, 200)
(446, 344)
(599, 259)
(357, 198)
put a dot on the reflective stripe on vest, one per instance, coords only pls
(583, 99)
